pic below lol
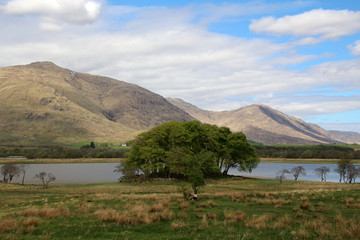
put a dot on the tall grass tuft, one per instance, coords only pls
(237, 216)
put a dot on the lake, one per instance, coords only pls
(104, 172)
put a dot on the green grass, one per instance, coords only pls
(226, 209)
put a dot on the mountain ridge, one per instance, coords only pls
(43, 102)
(262, 124)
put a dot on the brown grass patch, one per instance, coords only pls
(182, 215)
(259, 222)
(204, 221)
(269, 201)
(136, 215)
(47, 212)
(211, 216)
(31, 221)
(207, 204)
(234, 217)
(7, 225)
(301, 234)
(184, 205)
(283, 222)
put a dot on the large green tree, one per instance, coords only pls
(189, 150)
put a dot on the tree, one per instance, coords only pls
(45, 178)
(352, 173)
(189, 150)
(23, 168)
(321, 172)
(9, 171)
(296, 171)
(281, 174)
(347, 171)
(342, 166)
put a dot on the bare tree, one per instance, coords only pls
(321, 172)
(281, 174)
(46, 178)
(23, 168)
(9, 171)
(352, 172)
(342, 166)
(296, 171)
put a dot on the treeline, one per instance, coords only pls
(64, 152)
(317, 151)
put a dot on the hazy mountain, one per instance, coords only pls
(43, 103)
(348, 137)
(262, 124)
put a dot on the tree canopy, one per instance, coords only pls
(189, 150)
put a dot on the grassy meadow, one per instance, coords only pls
(227, 209)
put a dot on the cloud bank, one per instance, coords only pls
(171, 51)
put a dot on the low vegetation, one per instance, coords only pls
(226, 209)
(309, 152)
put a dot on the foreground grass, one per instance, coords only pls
(227, 209)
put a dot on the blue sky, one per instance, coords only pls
(300, 57)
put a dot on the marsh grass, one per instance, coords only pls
(227, 209)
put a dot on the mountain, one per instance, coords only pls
(347, 137)
(42, 103)
(262, 124)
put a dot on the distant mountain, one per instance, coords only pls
(44, 103)
(347, 137)
(262, 124)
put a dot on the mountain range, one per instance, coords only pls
(42, 103)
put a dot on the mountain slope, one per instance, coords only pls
(43, 103)
(262, 124)
(347, 137)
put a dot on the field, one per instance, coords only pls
(226, 209)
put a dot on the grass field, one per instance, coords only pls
(226, 209)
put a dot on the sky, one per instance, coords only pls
(300, 57)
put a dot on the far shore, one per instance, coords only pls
(60, 160)
(117, 160)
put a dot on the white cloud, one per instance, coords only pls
(355, 48)
(59, 11)
(326, 24)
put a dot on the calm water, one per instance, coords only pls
(103, 172)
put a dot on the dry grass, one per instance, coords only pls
(259, 222)
(301, 234)
(178, 224)
(207, 204)
(31, 221)
(136, 214)
(234, 217)
(182, 215)
(269, 201)
(7, 225)
(283, 222)
(204, 221)
(47, 212)
(184, 205)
